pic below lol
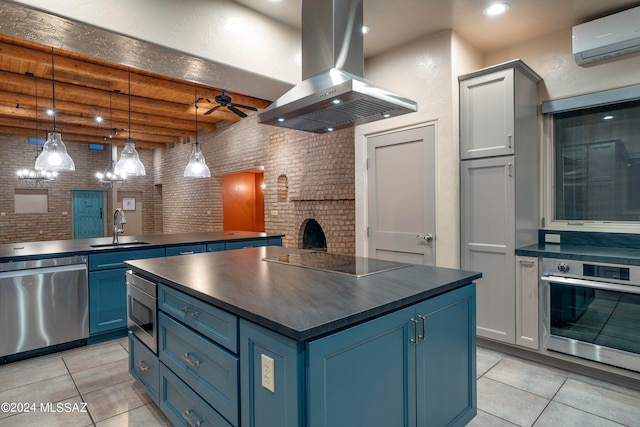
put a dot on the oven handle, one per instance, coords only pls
(592, 284)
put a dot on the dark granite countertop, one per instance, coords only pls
(614, 255)
(297, 302)
(57, 248)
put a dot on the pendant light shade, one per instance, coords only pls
(54, 156)
(129, 163)
(197, 167)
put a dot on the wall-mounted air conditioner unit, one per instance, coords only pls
(603, 38)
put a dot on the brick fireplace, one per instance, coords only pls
(308, 177)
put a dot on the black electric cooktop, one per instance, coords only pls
(337, 263)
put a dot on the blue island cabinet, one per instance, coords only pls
(414, 367)
(108, 292)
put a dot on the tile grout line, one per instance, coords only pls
(79, 394)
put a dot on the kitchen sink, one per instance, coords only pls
(120, 245)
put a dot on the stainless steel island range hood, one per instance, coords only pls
(333, 94)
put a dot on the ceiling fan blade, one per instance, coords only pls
(246, 107)
(235, 110)
(211, 110)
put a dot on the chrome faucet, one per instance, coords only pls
(117, 230)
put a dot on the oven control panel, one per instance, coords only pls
(604, 272)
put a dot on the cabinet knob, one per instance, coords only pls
(426, 237)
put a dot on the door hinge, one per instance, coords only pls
(367, 164)
(367, 231)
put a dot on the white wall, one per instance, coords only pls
(552, 58)
(236, 39)
(425, 72)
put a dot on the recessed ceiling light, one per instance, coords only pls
(607, 118)
(366, 29)
(495, 9)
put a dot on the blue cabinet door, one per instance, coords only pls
(107, 300)
(363, 376)
(263, 407)
(446, 359)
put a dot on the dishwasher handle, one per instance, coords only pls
(46, 270)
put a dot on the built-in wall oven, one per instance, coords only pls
(142, 310)
(592, 310)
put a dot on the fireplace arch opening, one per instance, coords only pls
(313, 236)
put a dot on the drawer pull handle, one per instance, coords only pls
(186, 415)
(188, 361)
(187, 253)
(186, 311)
(142, 367)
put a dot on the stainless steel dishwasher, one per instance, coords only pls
(43, 306)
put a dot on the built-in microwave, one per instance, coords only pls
(142, 310)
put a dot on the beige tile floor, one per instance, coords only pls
(96, 375)
(511, 392)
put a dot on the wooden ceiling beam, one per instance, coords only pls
(161, 108)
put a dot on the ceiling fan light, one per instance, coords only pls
(54, 156)
(129, 163)
(197, 166)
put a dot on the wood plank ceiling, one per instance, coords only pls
(162, 108)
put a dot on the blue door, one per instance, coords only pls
(88, 214)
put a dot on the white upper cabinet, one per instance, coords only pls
(491, 107)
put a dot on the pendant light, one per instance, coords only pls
(54, 156)
(36, 178)
(129, 163)
(197, 167)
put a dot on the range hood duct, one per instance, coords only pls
(333, 93)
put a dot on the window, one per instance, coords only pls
(595, 162)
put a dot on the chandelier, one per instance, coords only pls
(109, 178)
(35, 178)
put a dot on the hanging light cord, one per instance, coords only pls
(195, 94)
(53, 89)
(129, 76)
(35, 79)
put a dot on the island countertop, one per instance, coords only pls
(55, 248)
(297, 302)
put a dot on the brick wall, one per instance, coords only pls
(57, 224)
(319, 172)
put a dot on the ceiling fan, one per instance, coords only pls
(225, 100)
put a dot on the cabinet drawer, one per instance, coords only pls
(215, 324)
(207, 368)
(215, 247)
(145, 367)
(184, 407)
(186, 250)
(240, 244)
(116, 259)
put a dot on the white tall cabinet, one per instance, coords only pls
(499, 186)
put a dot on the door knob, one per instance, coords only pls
(427, 237)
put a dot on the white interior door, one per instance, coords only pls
(401, 196)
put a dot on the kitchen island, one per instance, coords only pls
(250, 337)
